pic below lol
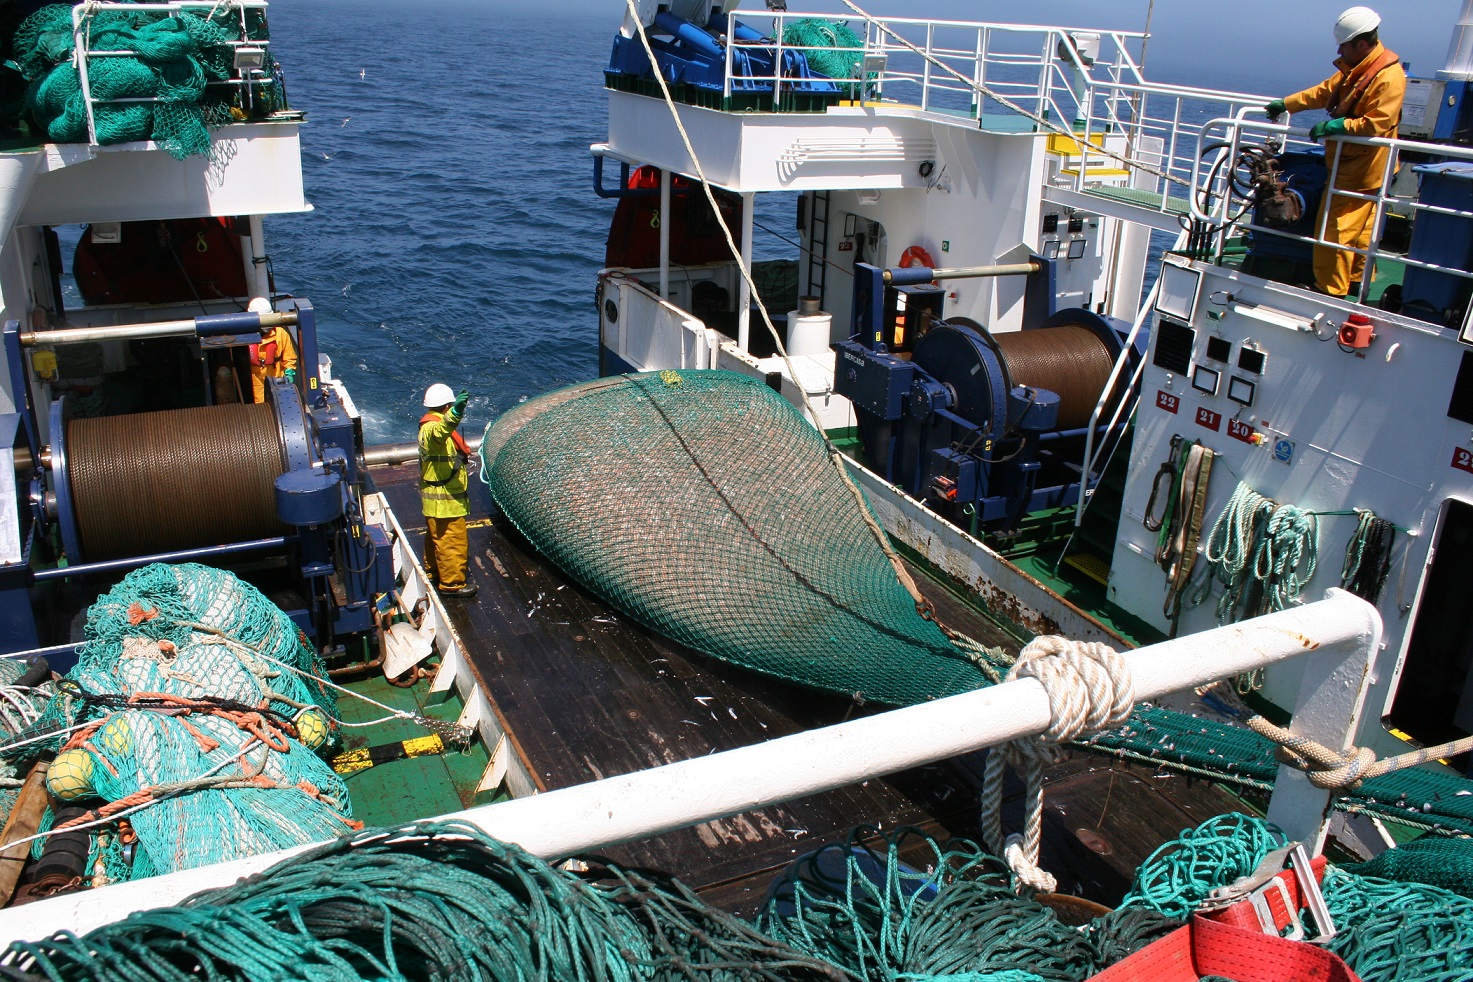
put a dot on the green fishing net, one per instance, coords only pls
(169, 60)
(1387, 931)
(201, 705)
(703, 505)
(828, 37)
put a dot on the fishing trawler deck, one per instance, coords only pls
(586, 694)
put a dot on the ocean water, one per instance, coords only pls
(455, 235)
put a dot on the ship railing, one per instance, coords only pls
(1124, 405)
(1239, 134)
(1336, 639)
(948, 66)
(1154, 145)
(250, 60)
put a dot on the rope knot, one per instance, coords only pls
(1089, 688)
(1088, 685)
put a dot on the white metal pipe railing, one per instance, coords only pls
(82, 51)
(1234, 132)
(594, 816)
(1116, 371)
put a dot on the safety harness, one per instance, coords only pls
(1184, 475)
(1353, 84)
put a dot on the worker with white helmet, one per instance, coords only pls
(444, 490)
(1363, 98)
(274, 357)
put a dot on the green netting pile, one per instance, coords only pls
(173, 58)
(434, 902)
(702, 504)
(202, 703)
(827, 35)
(948, 913)
(20, 707)
(1387, 931)
(444, 901)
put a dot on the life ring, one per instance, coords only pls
(915, 257)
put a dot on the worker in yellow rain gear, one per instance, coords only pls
(274, 357)
(1363, 98)
(444, 490)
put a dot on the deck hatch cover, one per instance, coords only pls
(1460, 406)
(1174, 342)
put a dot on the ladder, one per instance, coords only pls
(818, 244)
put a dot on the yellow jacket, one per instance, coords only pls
(1369, 107)
(272, 358)
(444, 484)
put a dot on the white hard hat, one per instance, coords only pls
(1355, 22)
(438, 395)
(259, 305)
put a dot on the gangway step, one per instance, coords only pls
(1140, 196)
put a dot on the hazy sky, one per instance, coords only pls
(1237, 40)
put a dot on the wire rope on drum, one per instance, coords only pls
(1070, 360)
(178, 479)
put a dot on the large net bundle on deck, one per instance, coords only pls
(703, 505)
(169, 61)
(200, 704)
(432, 901)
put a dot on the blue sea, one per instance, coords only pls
(455, 235)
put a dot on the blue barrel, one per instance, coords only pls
(1443, 240)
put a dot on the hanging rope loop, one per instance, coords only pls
(1089, 688)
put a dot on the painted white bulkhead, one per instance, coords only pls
(1328, 430)
(968, 196)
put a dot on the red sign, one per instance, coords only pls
(1167, 401)
(1463, 460)
(1241, 431)
(1209, 419)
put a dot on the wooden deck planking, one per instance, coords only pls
(591, 694)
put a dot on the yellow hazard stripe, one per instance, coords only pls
(353, 761)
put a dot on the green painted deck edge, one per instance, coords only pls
(421, 787)
(1089, 596)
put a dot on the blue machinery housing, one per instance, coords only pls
(315, 542)
(690, 55)
(981, 427)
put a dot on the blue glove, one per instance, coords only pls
(461, 401)
(1329, 127)
(290, 375)
(1275, 109)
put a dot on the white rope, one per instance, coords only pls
(1089, 688)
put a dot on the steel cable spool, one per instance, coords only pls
(1071, 360)
(178, 479)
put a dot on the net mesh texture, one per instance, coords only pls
(445, 901)
(201, 705)
(171, 61)
(703, 505)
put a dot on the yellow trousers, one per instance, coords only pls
(1350, 222)
(446, 551)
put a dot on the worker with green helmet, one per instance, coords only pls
(1363, 98)
(444, 490)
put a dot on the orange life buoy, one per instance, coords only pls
(916, 256)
